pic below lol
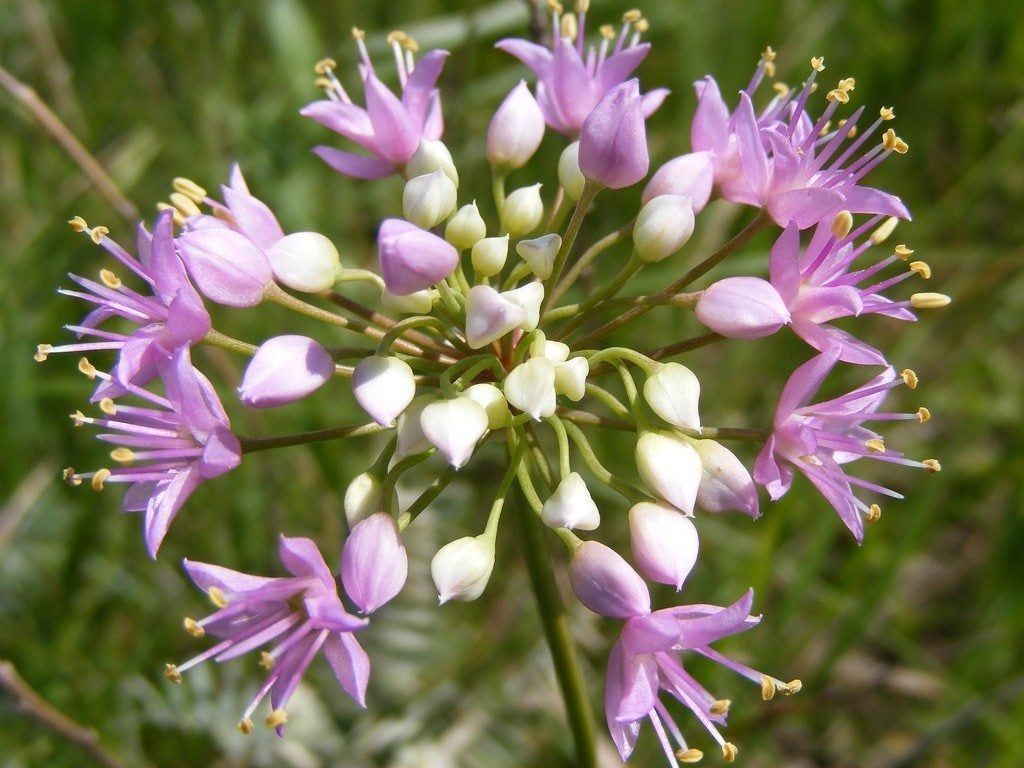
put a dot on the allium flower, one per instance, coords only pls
(389, 128)
(168, 447)
(301, 613)
(570, 82)
(170, 318)
(820, 439)
(613, 140)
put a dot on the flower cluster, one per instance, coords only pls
(483, 339)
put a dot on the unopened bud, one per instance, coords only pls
(523, 210)
(664, 543)
(466, 227)
(418, 303)
(742, 308)
(383, 386)
(663, 226)
(571, 506)
(430, 156)
(454, 427)
(529, 297)
(363, 498)
(673, 393)
(427, 200)
(491, 399)
(570, 177)
(304, 261)
(530, 387)
(516, 129)
(605, 583)
(489, 255)
(490, 315)
(670, 467)
(462, 568)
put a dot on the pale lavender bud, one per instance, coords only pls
(304, 261)
(283, 370)
(226, 266)
(690, 175)
(725, 485)
(383, 386)
(530, 387)
(454, 427)
(663, 226)
(571, 506)
(670, 467)
(516, 129)
(613, 139)
(489, 316)
(427, 200)
(540, 253)
(412, 259)
(462, 568)
(664, 543)
(742, 308)
(606, 583)
(374, 564)
(673, 392)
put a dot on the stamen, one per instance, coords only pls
(885, 229)
(842, 224)
(923, 414)
(720, 707)
(78, 224)
(874, 513)
(189, 188)
(324, 66)
(123, 455)
(795, 686)
(875, 445)
(767, 688)
(185, 204)
(192, 627)
(887, 113)
(107, 406)
(909, 378)
(99, 478)
(921, 268)
(276, 718)
(171, 673)
(932, 466)
(569, 27)
(632, 16)
(217, 597)
(781, 88)
(582, 6)
(98, 233)
(245, 726)
(818, 63)
(929, 300)
(69, 476)
(266, 660)
(902, 252)
(689, 755)
(109, 279)
(78, 418)
(839, 95)
(729, 751)
(607, 31)
(42, 352)
(179, 220)
(358, 34)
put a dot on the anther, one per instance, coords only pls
(818, 63)
(123, 455)
(921, 268)
(189, 188)
(889, 139)
(929, 300)
(767, 688)
(324, 66)
(266, 660)
(179, 220)
(77, 418)
(99, 478)
(781, 88)
(689, 755)
(98, 233)
(837, 94)
(217, 597)
(887, 113)
(842, 224)
(409, 43)
(923, 415)
(108, 406)
(42, 352)
(395, 36)
(720, 707)
(192, 627)
(909, 378)
(78, 224)
(902, 252)
(185, 204)
(932, 466)
(109, 279)
(881, 234)
(323, 84)
(795, 686)
(768, 54)
(875, 445)
(607, 31)
(729, 751)
(68, 476)
(847, 84)
(825, 128)
(86, 368)
(276, 718)
(632, 16)
(245, 726)
(569, 27)
(171, 673)
(582, 6)
(358, 34)
(642, 25)
(901, 147)
(874, 513)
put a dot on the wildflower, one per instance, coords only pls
(571, 83)
(389, 128)
(516, 129)
(613, 139)
(412, 259)
(283, 370)
(374, 564)
(383, 386)
(169, 447)
(170, 318)
(664, 543)
(820, 439)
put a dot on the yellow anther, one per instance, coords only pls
(847, 84)
(932, 465)
(768, 54)
(276, 718)
(266, 660)
(889, 139)
(923, 415)
(77, 418)
(720, 707)
(189, 188)
(569, 27)
(642, 25)
(86, 368)
(795, 686)
(410, 44)
(554, 6)
(909, 378)
(767, 688)
(68, 476)
(887, 113)
(850, 133)
(324, 66)
(632, 16)
(108, 406)
(689, 755)
(98, 233)
(825, 128)
(358, 34)
(769, 69)
(42, 352)
(179, 220)
(171, 673)
(582, 6)
(395, 36)
(780, 88)
(818, 63)
(874, 513)
(109, 279)
(99, 478)
(839, 95)
(323, 84)
(875, 445)
(814, 87)
(123, 455)
(217, 597)
(245, 726)
(901, 147)
(929, 300)
(185, 204)
(921, 268)
(729, 751)
(78, 224)
(881, 234)
(607, 31)
(842, 224)
(192, 627)
(902, 252)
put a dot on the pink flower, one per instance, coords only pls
(389, 128)
(571, 83)
(412, 259)
(613, 140)
(820, 439)
(283, 370)
(742, 308)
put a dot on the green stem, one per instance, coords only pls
(579, 213)
(393, 476)
(671, 350)
(564, 466)
(597, 469)
(588, 256)
(426, 498)
(218, 339)
(498, 191)
(631, 268)
(253, 444)
(590, 419)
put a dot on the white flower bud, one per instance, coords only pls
(571, 378)
(670, 467)
(304, 261)
(454, 427)
(428, 199)
(492, 401)
(523, 210)
(516, 129)
(540, 253)
(383, 386)
(430, 156)
(418, 303)
(529, 297)
(555, 351)
(571, 506)
(411, 439)
(664, 543)
(461, 568)
(530, 387)
(569, 174)
(663, 226)
(363, 498)
(466, 228)
(673, 393)
(489, 255)
(489, 316)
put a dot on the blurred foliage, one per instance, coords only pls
(909, 647)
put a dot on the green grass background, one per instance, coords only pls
(910, 647)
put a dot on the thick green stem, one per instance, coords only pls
(253, 444)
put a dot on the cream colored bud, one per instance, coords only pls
(491, 399)
(304, 261)
(569, 174)
(540, 253)
(427, 200)
(432, 156)
(466, 227)
(663, 226)
(489, 255)
(523, 210)
(462, 568)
